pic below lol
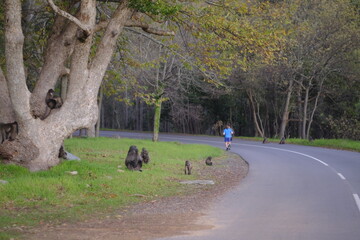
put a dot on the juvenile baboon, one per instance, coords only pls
(265, 140)
(133, 160)
(208, 161)
(82, 35)
(282, 141)
(52, 101)
(62, 152)
(145, 155)
(188, 167)
(9, 131)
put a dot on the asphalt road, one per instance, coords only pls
(291, 192)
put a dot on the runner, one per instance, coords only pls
(228, 132)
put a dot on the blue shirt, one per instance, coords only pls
(228, 132)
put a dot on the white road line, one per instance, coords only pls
(285, 150)
(357, 200)
(341, 176)
(279, 149)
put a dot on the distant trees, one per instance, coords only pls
(270, 68)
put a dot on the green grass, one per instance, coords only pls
(53, 196)
(343, 144)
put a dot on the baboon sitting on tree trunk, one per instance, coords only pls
(133, 160)
(8, 131)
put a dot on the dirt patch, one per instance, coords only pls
(159, 218)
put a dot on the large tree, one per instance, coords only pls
(80, 47)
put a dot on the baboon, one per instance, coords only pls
(265, 140)
(208, 161)
(282, 141)
(133, 160)
(188, 167)
(62, 152)
(82, 35)
(9, 131)
(311, 139)
(52, 101)
(145, 155)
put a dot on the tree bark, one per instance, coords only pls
(7, 114)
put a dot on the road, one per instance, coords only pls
(291, 192)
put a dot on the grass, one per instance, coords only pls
(102, 184)
(343, 144)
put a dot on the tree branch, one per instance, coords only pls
(174, 52)
(15, 72)
(70, 17)
(6, 109)
(146, 28)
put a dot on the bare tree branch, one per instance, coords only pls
(146, 28)
(70, 17)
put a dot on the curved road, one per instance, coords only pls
(291, 192)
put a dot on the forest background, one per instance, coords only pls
(268, 68)
(279, 68)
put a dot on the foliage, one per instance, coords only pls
(157, 7)
(233, 34)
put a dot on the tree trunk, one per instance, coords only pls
(286, 112)
(305, 109)
(314, 109)
(91, 132)
(38, 142)
(259, 127)
(101, 95)
(157, 116)
(7, 113)
(299, 109)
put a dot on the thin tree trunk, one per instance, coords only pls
(101, 95)
(258, 128)
(157, 116)
(314, 109)
(305, 110)
(285, 116)
(299, 109)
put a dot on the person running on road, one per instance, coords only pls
(228, 132)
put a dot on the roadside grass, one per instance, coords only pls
(102, 184)
(343, 144)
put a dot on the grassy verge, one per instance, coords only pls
(343, 144)
(102, 184)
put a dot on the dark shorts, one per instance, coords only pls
(227, 139)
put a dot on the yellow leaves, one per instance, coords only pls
(243, 31)
(151, 98)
